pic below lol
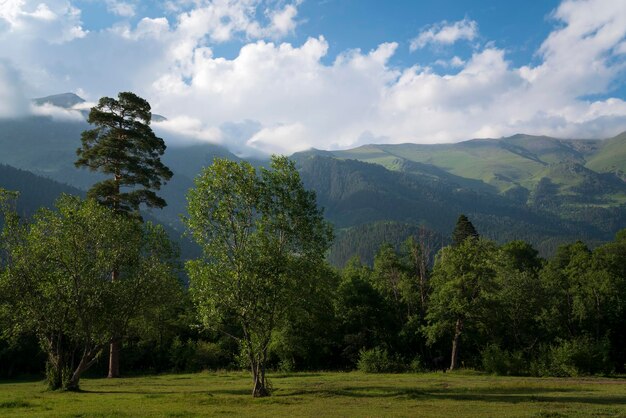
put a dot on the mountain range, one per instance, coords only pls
(544, 190)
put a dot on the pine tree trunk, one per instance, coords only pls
(114, 358)
(114, 347)
(455, 344)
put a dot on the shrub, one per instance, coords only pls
(197, 355)
(502, 362)
(577, 357)
(207, 356)
(287, 365)
(378, 360)
(417, 365)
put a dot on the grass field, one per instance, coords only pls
(322, 394)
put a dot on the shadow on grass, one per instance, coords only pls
(507, 395)
(22, 379)
(294, 374)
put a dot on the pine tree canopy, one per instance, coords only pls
(463, 230)
(123, 146)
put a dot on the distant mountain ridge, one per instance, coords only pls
(541, 189)
(64, 100)
(512, 166)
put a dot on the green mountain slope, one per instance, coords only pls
(354, 194)
(501, 163)
(611, 157)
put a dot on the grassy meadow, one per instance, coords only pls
(322, 394)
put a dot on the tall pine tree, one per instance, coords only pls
(123, 146)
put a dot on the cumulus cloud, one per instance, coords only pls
(277, 96)
(120, 8)
(55, 21)
(445, 33)
(57, 113)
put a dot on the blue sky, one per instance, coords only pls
(287, 75)
(519, 26)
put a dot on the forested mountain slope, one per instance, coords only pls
(34, 191)
(355, 194)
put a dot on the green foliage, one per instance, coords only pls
(123, 146)
(378, 360)
(193, 356)
(576, 357)
(417, 365)
(464, 289)
(463, 230)
(263, 240)
(57, 282)
(502, 362)
(365, 318)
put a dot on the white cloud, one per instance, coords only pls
(188, 129)
(54, 22)
(281, 139)
(121, 8)
(56, 112)
(454, 62)
(278, 96)
(282, 21)
(445, 33)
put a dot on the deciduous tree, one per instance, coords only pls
(57, 280)
(264, 240)
(463, 287)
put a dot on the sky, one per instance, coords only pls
(280, 76)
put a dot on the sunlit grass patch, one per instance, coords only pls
(469, 394)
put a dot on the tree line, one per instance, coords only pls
(88, 287)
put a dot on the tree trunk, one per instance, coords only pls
(87, 360)
(114, 358)
(114, 347)
(260, 389)
(455, 344)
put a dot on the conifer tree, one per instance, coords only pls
(463, 230)
(123, 146)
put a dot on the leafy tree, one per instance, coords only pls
(264, 241)
(123, 146)
(390, 278)
(365, 317)
(560, 280)
(463, 289)
(57, 280)
(585, 293)
(609, 261)
(520, 297)
(419, 251)
(463, 230)
(307, 339)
